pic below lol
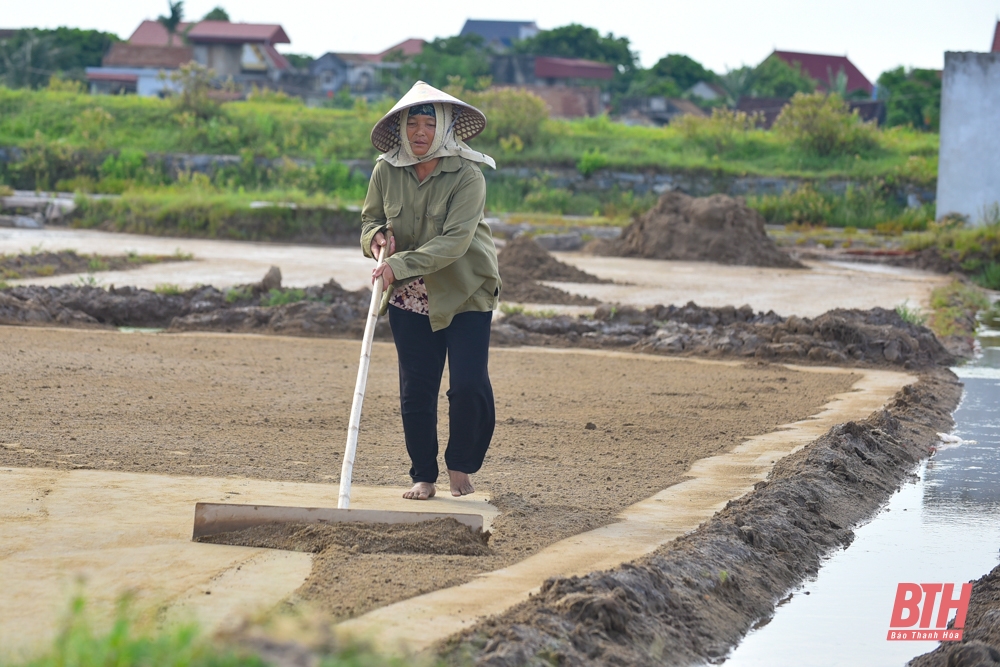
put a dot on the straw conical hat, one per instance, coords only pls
(469, 121)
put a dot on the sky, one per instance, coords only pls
(876, 35)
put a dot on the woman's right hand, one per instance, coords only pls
(378, 241)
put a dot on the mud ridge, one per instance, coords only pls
(692, 600)
(844, 337)
(718, 229)
(980, 645)
(437, 536)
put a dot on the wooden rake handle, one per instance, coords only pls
(347, 468)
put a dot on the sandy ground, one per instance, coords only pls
(276, 408)
(648, 282)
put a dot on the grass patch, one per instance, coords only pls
(168, 289)
(911, 314)
(238, 294)
(282, 297)
(954, 308)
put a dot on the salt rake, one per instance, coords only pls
(216, 518)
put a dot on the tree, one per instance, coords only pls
(462, 56)
(912, 97)
(685, 71)
(577, 41)
(173, 20)
(31, 56)
(776, 78)
(217, 14)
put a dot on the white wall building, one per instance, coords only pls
(969, 157)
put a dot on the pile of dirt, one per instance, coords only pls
(980, 643)
(692, 600)
(437, 536)
(718, 228)
(523, 262)
(877, 336)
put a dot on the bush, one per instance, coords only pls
(591, 161)
(509, 113)
(282, 297)
(822, 124)
(719, 133)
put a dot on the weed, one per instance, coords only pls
(954, 308)
(168, 289)
(97, 264)
(88, 280)
(990, 276)
(911, 314)
(508, 309)
(233, 295)
(3, 284)
(591, 161)
(282, 297)
(45, 270)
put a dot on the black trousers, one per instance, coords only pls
(471, 411)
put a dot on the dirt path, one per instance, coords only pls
(276, 408)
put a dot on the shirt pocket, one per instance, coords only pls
(437, 213)
(393, 217)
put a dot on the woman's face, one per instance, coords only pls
(420, 133)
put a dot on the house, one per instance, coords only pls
(569, 86)
(996, 39)
(825, 68)
(362, 73)
(243, 52)
(500, 35)
(706, 91)
(657, 110)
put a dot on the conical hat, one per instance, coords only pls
(469, 121)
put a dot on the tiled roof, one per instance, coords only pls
(571, 68)
(823, 68)
(409, 47)
(152, 33)
(280, 61)
(126, 54)
(224, 31)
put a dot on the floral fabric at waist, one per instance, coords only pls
(411, 297)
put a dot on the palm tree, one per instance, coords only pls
(173, 20)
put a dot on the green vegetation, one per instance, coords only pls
(976, 250)
(30, 57)
(278, 297)
(873, 206)
(168, 289)
(954, 308)
(128, 644)
(911, 314)
(913, 97)
(822, 125)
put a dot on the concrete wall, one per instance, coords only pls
(969, 163)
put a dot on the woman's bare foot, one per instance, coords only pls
(421, 491)
(461, 483)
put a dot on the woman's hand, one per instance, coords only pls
(378, 241)
(385, 271)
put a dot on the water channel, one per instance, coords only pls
(943, 528)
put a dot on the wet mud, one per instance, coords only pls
(692, 600)
(437, 536)
(980, 645)
(718, 228)
(567, 455)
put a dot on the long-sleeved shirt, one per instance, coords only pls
(440, 235)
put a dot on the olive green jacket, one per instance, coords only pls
(440, 235)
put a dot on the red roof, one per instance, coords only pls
(410, 47)
(996, 39)
(280, 61)
(823, 68)
(237, 33)
(571, 68)
(152, 33)
(126, 54)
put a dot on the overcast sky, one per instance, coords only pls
(876, 34)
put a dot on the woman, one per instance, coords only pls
(425, 204)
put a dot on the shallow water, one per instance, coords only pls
(943, 528)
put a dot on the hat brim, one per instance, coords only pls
(468, 120)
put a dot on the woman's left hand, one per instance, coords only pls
(385, 271)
